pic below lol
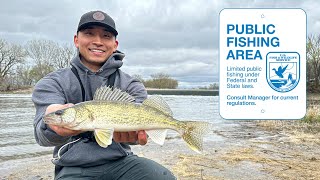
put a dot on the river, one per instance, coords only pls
(233, 149)
(17, 112)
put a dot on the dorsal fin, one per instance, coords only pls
(106, 93)
(158, 103)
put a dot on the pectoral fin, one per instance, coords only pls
(103, 137)
(157, 135)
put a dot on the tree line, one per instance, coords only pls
(21, 66)
(214, 86)
(159, 81)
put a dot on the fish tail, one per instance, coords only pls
(193, 134)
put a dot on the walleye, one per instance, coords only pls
(113, 110)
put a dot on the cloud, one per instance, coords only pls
(176, 37)
(186, 65)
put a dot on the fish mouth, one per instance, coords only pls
(51, 119)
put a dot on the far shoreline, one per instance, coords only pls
(155, 91)
(194, 92)
(151, 91)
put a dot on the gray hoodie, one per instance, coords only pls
(61, 87)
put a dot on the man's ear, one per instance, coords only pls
(116, 45)
(75, 41)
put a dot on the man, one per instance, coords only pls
(77, 155)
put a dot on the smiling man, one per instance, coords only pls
(77, 155)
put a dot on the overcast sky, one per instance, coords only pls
(179, 38)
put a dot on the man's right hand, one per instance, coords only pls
(58, 129)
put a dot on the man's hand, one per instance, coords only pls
(139, 137)
(60, 130)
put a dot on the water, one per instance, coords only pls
(16, 135)
(17, 112)
(19, 150)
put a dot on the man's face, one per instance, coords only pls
(95, 45)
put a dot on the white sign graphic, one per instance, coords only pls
(262, 63)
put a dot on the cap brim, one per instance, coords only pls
(108, 28)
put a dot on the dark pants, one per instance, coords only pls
(130, 167)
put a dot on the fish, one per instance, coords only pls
(113, 110)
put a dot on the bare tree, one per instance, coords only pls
(10, 55)
(313, 58)
(23, 75)
(139, 77)
(160, 76)
(63, 55)
(42, 53)
(48, 56)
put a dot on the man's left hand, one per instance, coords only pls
(139, 137)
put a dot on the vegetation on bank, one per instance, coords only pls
(159, 81)
(313, 108)
(312, 115)
(313, 64)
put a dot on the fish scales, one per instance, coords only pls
(124, 116)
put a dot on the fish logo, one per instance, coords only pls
(283, 70)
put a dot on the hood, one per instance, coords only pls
(110, 66)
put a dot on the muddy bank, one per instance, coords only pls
(29, 169)
(247, 151)
(27, 90)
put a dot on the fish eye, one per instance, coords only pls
(59, 112)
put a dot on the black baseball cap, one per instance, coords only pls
(98, 18)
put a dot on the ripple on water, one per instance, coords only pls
(17, 112)
(25, 150)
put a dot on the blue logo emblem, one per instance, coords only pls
(283, 70)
